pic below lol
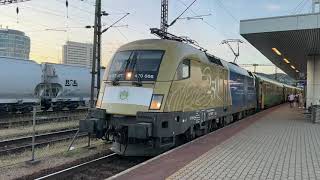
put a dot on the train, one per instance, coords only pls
(160, 93)
(16, 86)
(25, 83)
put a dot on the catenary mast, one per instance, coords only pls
(164, 15)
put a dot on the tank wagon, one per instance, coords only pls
(17, 88)
(66, 86)
(25, 83)
(157, 94)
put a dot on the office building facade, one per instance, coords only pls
(76, 53)
(14, 44)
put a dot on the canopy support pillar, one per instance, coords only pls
(313, 80)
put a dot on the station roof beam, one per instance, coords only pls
(287, 41)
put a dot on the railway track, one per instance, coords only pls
(41, 119)
(99, 168)
(39, 113)
(24, 143)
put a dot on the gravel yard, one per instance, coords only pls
(52, 158)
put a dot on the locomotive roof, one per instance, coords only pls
(169, 44)
(157, 44)
(237, 69)
(187, 49)
(179, 49)
(151, 43)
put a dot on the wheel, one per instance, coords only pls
(189, 135)
(222, 123)
(240, 115)
(212, 126)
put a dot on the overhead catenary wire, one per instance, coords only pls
(87, 2)
(50, 28)
(53, 13)
(28, 21)
(39, 24)
(113, 24)
(7, 2)
(228, 12)
(45, 11)
(117, 28)
(88, 12)
(204, 21)
(302, 7)
(217, 30)
(123, 35)
(296, 7)
(175, 20)
(76, 7)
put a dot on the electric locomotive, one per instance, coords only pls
(157, 94)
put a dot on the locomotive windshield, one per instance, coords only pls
(140, 65)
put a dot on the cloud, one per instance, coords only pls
(273, 7)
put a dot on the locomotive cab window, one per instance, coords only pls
(183, 71)
(142, 65)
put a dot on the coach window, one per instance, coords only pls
(183, 71)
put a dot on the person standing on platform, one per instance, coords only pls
(296, 100)
(291, 100)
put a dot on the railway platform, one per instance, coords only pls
(278, 143)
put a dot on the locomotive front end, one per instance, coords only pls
(132, 99)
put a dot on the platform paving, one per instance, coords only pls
(283, 145)
(279, 143)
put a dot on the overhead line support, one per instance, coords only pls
(164, 15)
(96, 53)
(6, 2)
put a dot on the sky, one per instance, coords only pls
(49, 24)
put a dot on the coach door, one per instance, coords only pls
(260, 101)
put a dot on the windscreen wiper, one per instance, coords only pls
(115, 81)
(136, 83)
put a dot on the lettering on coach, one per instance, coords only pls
(71, 83)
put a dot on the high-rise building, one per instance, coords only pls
(77, 53)
(14, 44)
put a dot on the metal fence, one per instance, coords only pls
(315, 113)
(40, 135)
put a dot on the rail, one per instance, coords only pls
(41, 119)
(25, 115)
(99, 168)
(23, 143)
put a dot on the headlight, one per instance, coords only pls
(156, 102)
(128, 76)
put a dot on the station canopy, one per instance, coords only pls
(287, 41)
